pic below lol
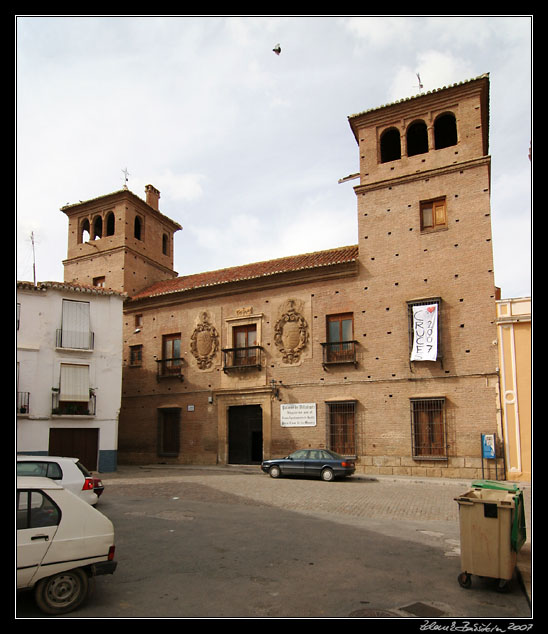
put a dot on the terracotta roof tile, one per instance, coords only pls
(68, 286)
(288, 264)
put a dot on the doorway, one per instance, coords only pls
(169, 431)
(245, 434)
(77, 443)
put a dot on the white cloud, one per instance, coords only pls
(436, 69)
(379, 31)
(181, 187)
(234, 136)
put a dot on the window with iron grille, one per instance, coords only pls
(341, 427)
(428, 431)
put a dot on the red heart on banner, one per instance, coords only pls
(431, 309)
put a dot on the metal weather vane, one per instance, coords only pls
(126, 175)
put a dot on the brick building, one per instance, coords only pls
(382, 350)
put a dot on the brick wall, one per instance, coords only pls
(399, 262)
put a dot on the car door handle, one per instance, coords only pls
(44, 537)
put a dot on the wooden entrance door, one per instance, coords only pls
(76, 443)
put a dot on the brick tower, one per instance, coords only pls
(119, 241)
(425, 241)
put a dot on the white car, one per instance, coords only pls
(69, 472)
(62, 544)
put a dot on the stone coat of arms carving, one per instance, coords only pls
(291, 332)
(204, 342)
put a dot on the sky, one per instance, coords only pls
(246, 146)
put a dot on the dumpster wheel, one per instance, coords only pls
(465, 579)
(503, 585)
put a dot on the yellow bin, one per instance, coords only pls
(486, 518)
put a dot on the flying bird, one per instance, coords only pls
(277, 49)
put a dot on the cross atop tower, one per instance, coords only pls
(126, 174)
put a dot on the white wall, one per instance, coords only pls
(38, 362)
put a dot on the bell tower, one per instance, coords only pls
(424, 216)
(119, 241)
(424, 223)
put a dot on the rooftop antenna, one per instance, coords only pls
(420, 86)
(126, 174)
(33, 258)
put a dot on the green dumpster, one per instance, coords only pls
(492, 531)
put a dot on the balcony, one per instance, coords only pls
(169, 368)
(242, 359)
(60, 407)
(72, 340)
(339, 352)
(23, 402)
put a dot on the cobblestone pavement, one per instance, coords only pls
(370, 497)
(420, 509)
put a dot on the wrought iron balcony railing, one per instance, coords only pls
(23, 402)
(60, 407)
(74, 340)
(235, 359)
(170, 368)
(339, 352)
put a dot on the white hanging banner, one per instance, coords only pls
(425, 333)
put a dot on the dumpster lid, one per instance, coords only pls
(518, 534)
(495, 484)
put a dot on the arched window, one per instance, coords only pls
(445, 130)
(110, 223)
(137, 228)
(84, 230)
(97, 228)
(417, 138)
(390, 145)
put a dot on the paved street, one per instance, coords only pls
(234, 543)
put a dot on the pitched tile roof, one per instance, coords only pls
(68, 286)
(318, 259)
(419, 96)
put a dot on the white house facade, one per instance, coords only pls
(69, 371)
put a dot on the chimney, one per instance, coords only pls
(152, 197)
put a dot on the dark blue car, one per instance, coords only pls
(321, 463)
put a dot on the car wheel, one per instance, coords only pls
(63, 592)
(327, 475)
(274, 471)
